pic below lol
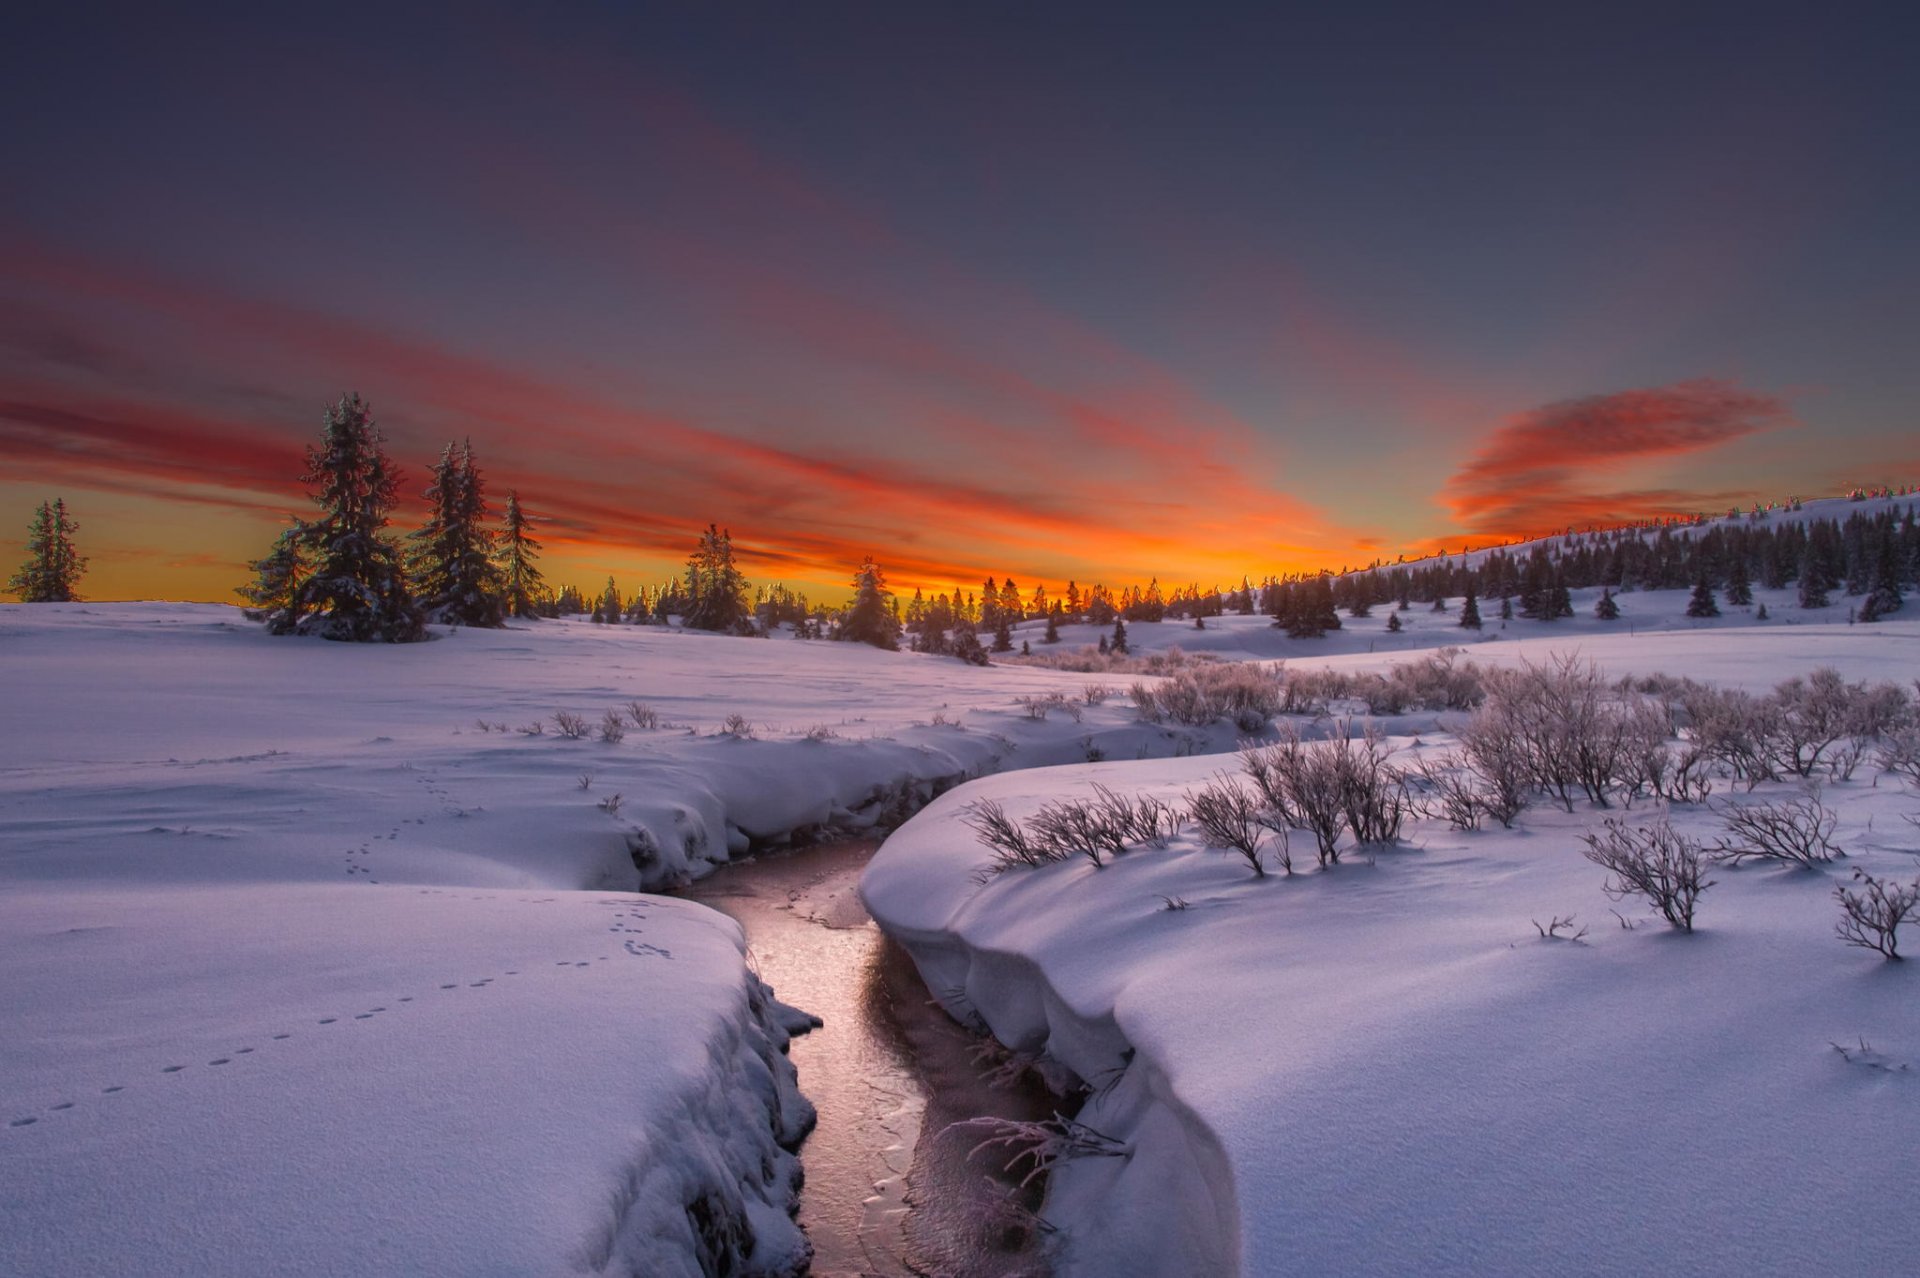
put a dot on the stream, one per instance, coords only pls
(887, 1195)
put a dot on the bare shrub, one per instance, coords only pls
(1010, 844)
(1564, 732)
(570, 725)
(1735, 729)
(610, 805)
(1445, 793)
(1820, 715)
(1229, 817)
(1794, 831)
(1043, 1144)
(1038, 706)
(483, 725)
(534, 729)
(1871, 918)
(613, 729)
(1304, 786)
(1551, 930)
(1678, 773)
(586, 780)
(1245, 692)
(642, 715)
(1095, 694)
(1371, 793)
(1141, 818)
(736, 725)
(1078, 829)
(1655, 861)
(821, 732)
(1498, 757)
(1899, 752)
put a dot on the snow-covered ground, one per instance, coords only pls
(303, 971)
(1383, 1068)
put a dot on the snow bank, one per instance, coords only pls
(1384, 1069)
(304, 972)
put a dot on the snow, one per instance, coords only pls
(1384, 1069)
(496, 1057)
(500, 1058)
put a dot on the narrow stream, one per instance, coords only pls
(886, 1195)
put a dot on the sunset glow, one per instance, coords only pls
(855, 288)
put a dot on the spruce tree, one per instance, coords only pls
(357, 590)
(1393, 623)
(53, 566)
(1053, 625)
(1470, 611)
(523, 584)
(454, 575)
(1506, 608)
(1883, 584)
(1559, 598)
(1119, 641)
(966, 645)
(1701, 603)
(272, 594)
(870, 618)
(1813, 580)
(716, 589)
(1605, 608)
(1002, 633)
(1739, 584)
(1312, 614)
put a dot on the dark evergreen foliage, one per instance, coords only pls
(355, 589)
(53, 566)
(716, 589)
(453, 572)
(522, 581)
(870, 618)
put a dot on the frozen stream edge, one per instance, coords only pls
(1177, 1170)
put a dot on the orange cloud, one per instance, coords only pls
(1540, 470)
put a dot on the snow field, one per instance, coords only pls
(210, 837)
(1383, 1068)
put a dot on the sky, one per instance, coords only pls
(1050, 291)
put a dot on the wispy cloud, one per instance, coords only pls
(1558, 464)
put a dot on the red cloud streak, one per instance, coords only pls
(1537, 471)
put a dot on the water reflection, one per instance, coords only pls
(886, 1194)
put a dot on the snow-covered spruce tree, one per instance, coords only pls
(716, 590)
(1312, 614)
(454, 575)
(870, 617)
(1470, 611)
(1393, 623)
(1813, 581)
(1701, 603)
(1883, 585)
(1119, 641)
(53, 566)
(1739, 583)
(357, 590)
(522, 582)
(1605, 608)
(966, 646)
(1053, 625)
(272, 593)
(1002, 633)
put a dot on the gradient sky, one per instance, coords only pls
(1052, 291)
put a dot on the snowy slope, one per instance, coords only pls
(1384, 1069)
(303, 972)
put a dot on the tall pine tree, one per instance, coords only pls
(356, 590)
(523, 584)
(716, 589)
(453, 570)
(870, 617)
(53, 566)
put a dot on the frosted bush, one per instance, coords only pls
(1655, 861)
(1794, 831)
